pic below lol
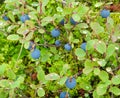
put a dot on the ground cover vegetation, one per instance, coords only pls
(59, 49)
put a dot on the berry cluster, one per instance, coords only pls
(35, 53)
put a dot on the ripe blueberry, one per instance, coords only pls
(5, 18)
(62, 22)
(67, 47)
(24, 17)
(35, 54)
(64, 95)
(70, 83)
(105, 13)
(83, 46)
(72, 21)
(31, 45)
(55, 33)
(57, 43)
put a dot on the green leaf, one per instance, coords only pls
(110, 22)
(3, 94)
(116, 79)
(90, 44)
(45, 55)
(103, 76)
(45, 2)
(101, 89)
(29, 36)
(95, 95)
(110, 50)
(76, 17)
(17, 83)
(89, 66)
(68, 26)
(30, 23)
(33, 86)
(96, 71)
(76, 41)
(40, 74)
(86, 32)
(52, 76)
(80, 52)
(11, 16)
(4, 83)
(11, 74)
(13, 37)
(96, 27)
(83, 26)
(22, 30)
(81, 10)
(87, 69)
(38, 9)
(101, 62)
(11, 27)
(3, 24)
(85, 85)
(98, 4)
(64, 69)
(47, 19)
(41, 31)
(62, 80)
(115, 90)
(31, 8)
(40, 92)
(26, 44)
(2, 69)
(59, 9)
(101, 47)
(67, 11)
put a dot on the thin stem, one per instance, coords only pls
(19, 53)
(67, 95)
(45, 45)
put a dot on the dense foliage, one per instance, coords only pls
(59, 48)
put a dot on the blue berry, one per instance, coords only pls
(55, 33)
(72, 21)
(62, 22)
(67, 47)
(83, 46)
(24, 17)
(64, 95)
(31, 44)
(105, 13)
(5, 18)
(35, 54)
(70, 83)
(57, 43)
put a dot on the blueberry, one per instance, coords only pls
(31, 45)
(83, 46)
(105, 13)
(55, 33)
(64, 95)
(72, 21)
(5, 18)
(57, 43)
(62, 22)
(24, 17)
(67, 47)
(35, 54)
(70, 83)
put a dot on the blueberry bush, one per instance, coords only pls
(59, 49)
